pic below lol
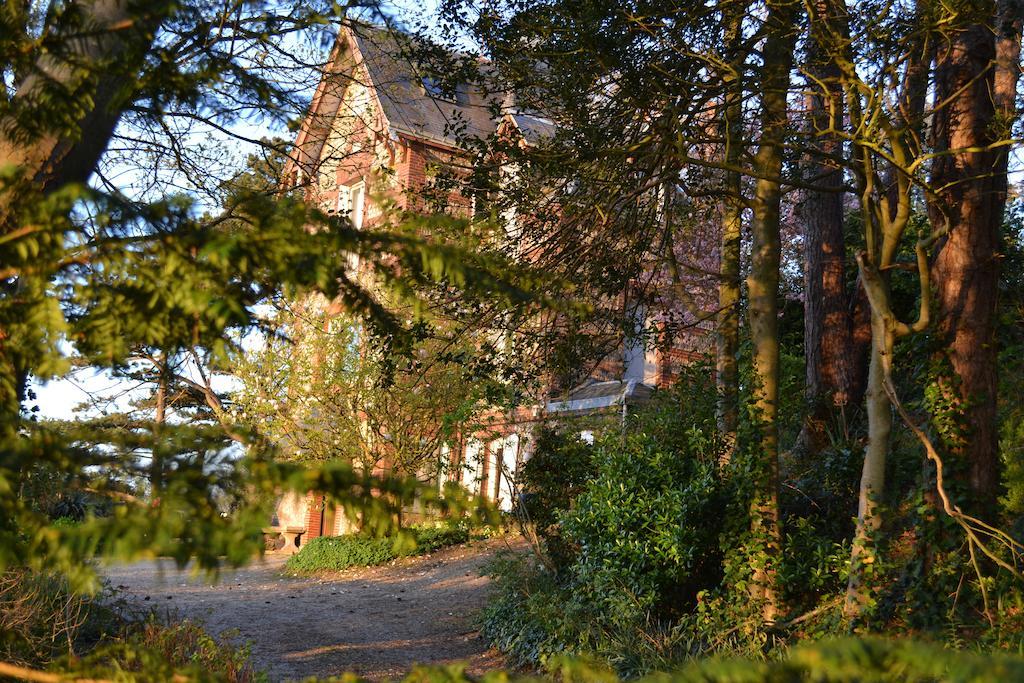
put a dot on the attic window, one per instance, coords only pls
(432, 87)
(439, 91)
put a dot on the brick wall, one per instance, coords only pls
(315, 516)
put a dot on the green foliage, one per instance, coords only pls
(334, 553)
(847, 660)
(1011, 365)
(153, 651)
(635, 524)
(162, 289)
(646, 525)
(865, 659)
(330, 389)
(551, 479)
(532, 615)
(431, 538)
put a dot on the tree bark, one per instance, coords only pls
(872, 480)
(728, 323)
(103, 49)
(828, 323)
(970, 182)
(156, 469)
(763, 289)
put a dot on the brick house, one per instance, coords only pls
(376, 131)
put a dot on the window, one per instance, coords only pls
(432, 87)
(358, 202)
(440, 90)
(352, 202)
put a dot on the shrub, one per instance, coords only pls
(647, 527)
(152, 651)
(554, 475)
(530, 616)
(846, 660)
(40, 617)
(633, 524)
(44, 624)
(429, 539)
(639, 540)
(334, 553)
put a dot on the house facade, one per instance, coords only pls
(377, 132)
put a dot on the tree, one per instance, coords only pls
(975, 113)
(833, 360)
(112, 270)
(325, 392)
(763, 285)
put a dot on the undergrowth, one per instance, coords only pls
(46, 626)
(334, 553)
(847, 660)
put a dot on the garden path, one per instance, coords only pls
(375, 621)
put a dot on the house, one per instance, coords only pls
(377, 131)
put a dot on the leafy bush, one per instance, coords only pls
(843, 660)
(554, 475)
(530, 616)
(185, 652)
(646, 525)
(637, 521)
(429, 539)
(334, 553)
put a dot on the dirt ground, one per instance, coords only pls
(376, 621)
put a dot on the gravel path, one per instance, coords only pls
(376, 621)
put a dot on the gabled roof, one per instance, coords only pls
(533, 128)
(385, 61)
(390, 60)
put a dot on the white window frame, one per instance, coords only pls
(357, 201)
(351, 202)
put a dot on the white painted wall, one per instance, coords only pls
(291, 510)
(505, 453)
(473, 465)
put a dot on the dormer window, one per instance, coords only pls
(438, 90)
(432, 87)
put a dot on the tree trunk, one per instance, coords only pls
(886, 212)
(971, 189)
(104, 49)
(156, 465)
(728, 323)
(872, 480)
(763, 288)
(828, 324)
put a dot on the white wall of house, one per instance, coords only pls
(291, 510)
(505, 455)
(473, 465)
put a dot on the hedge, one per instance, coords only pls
(334, 553)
